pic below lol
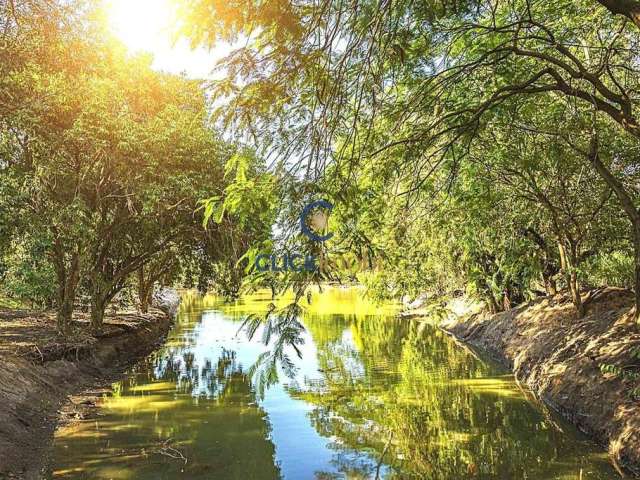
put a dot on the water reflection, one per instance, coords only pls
(373, 396)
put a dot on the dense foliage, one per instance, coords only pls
(481, 147)
(487, 146)
(104, 163)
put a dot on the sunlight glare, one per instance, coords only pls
(147, 26)
(142, 25)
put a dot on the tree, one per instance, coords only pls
(238, 223)
(163, 268)
(318, 76)
(113, 155)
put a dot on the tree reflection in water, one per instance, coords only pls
(409, 396)
(363, 395)
(199, 402)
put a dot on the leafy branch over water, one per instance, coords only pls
(282, 332)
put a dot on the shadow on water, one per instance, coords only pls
(372, 396)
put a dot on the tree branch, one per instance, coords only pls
(626, 8)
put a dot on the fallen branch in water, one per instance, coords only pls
(169, 451)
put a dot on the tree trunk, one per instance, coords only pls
(64, 314)
(550, 285)
(547, 263)
(493, 305)
(567, 266)
(636, 261)
(68, 278)
(627, 8)
(145, 290)
(549, 271)
(575, 293)
(145, 301)
(629, 208)
(97, 314)
(103, 291)
(506, 301)
(99, 301)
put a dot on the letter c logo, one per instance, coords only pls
(303, 223)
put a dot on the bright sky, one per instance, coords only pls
(144, 26)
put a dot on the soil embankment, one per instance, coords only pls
(563, 361)
(39, 372)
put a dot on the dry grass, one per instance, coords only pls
(561, 357)
(33, 334)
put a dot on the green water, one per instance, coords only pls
(373, 396)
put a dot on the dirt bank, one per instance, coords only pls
(563, 360)
(40, 371)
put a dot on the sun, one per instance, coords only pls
(148, 26)
(142, 25)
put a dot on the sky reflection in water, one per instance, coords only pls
(373, 397)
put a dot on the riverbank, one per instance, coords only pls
(566, 362)
(41, 371)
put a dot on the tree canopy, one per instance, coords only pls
(488, 145)
(105, 162)
(470, 146)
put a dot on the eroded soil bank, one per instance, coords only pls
(560, 358)
(39, 372)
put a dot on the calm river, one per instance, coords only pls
(373, 397)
